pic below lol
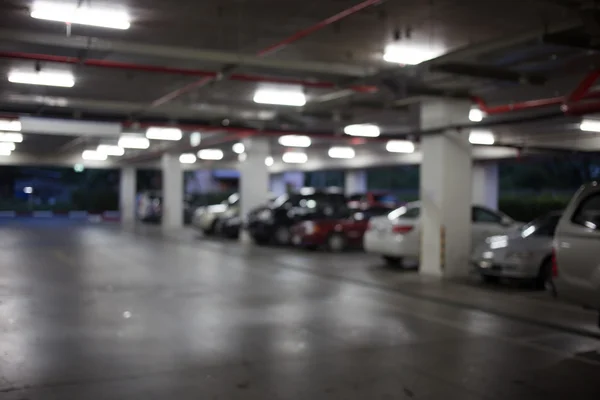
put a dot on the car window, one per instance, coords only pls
(543, 226)
(369, 213)
(588, 213)
(479, 214)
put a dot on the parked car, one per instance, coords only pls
(272, 223)
(149, 207)
(372, 199)
(206, 218)
(524, 254)
(576, 271)
(398, 235)
(335, 234)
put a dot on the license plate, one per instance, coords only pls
(485, 264)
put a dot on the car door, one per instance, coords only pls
(578, 242)
(485, 223)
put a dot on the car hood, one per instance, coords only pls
(213, 209)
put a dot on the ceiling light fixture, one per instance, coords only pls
(10, 125)
(482, 137)
(157, 133)
(269, 161)
(195, 139)
(364, 130)
(84, 15)
(110, 150)
(294, 141)
(11, 137)
(210, 154)
(93, 155)
(293, 157)
(238, 148)
(43, 78)
(400, 146)
(187, 158)
(476, 115)
(7, 146)
(590, 125)
(341, 152)
(280, 97)
(133, 142)
(5, 152)
(408, 55)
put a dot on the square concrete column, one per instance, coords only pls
(355, 182)
(254, 175)
(445, 190)
(485, 184)
(127, 189)
(172, 192)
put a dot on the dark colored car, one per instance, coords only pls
(373, 199)
(272, 223)
(335, 234)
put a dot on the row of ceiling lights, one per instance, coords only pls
(9, 136)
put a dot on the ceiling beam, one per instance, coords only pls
(181, 53)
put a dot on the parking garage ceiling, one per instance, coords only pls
(198, 65)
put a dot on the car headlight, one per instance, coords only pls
(488, 255)
(265, 215)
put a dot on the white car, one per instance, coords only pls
(576, 267)
(397, 236)
(206, 218)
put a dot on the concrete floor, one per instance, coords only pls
(96, 312)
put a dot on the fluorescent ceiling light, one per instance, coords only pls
(590, 125)
(195, 139)
(292, 157)
(5, 152)
(93, 155)
(365, 130)
(476, 115)
(134, 142)
(400, 146)
(10, 125)
(110, 150)
(7, 146)
(157, 133)
(341, 152)
(269, 161)
(294, 141)
(11, 137)
(408, 55)
(481, 137)
(210, 154)
(187, 158)
(238, 148)
(280, 97)
(84, 15)
(59, 79)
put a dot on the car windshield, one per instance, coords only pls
(405, 212)
(545, 225)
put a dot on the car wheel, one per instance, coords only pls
(544, 279)
(261, 241)
(490, 278)
(282, 235)
(336, 243)
(393, 261)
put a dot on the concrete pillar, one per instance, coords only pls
(254, 175)
(355, 182)
(127, 195)
(445, 190)
(172, 191)
(485, 184)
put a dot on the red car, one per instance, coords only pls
(335, 234)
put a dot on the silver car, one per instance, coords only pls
(577, 249)
(524, 254)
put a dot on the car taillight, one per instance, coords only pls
(402, 229)
(554, 264)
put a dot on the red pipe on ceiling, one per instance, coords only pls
(273, 48)
(176, 71)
